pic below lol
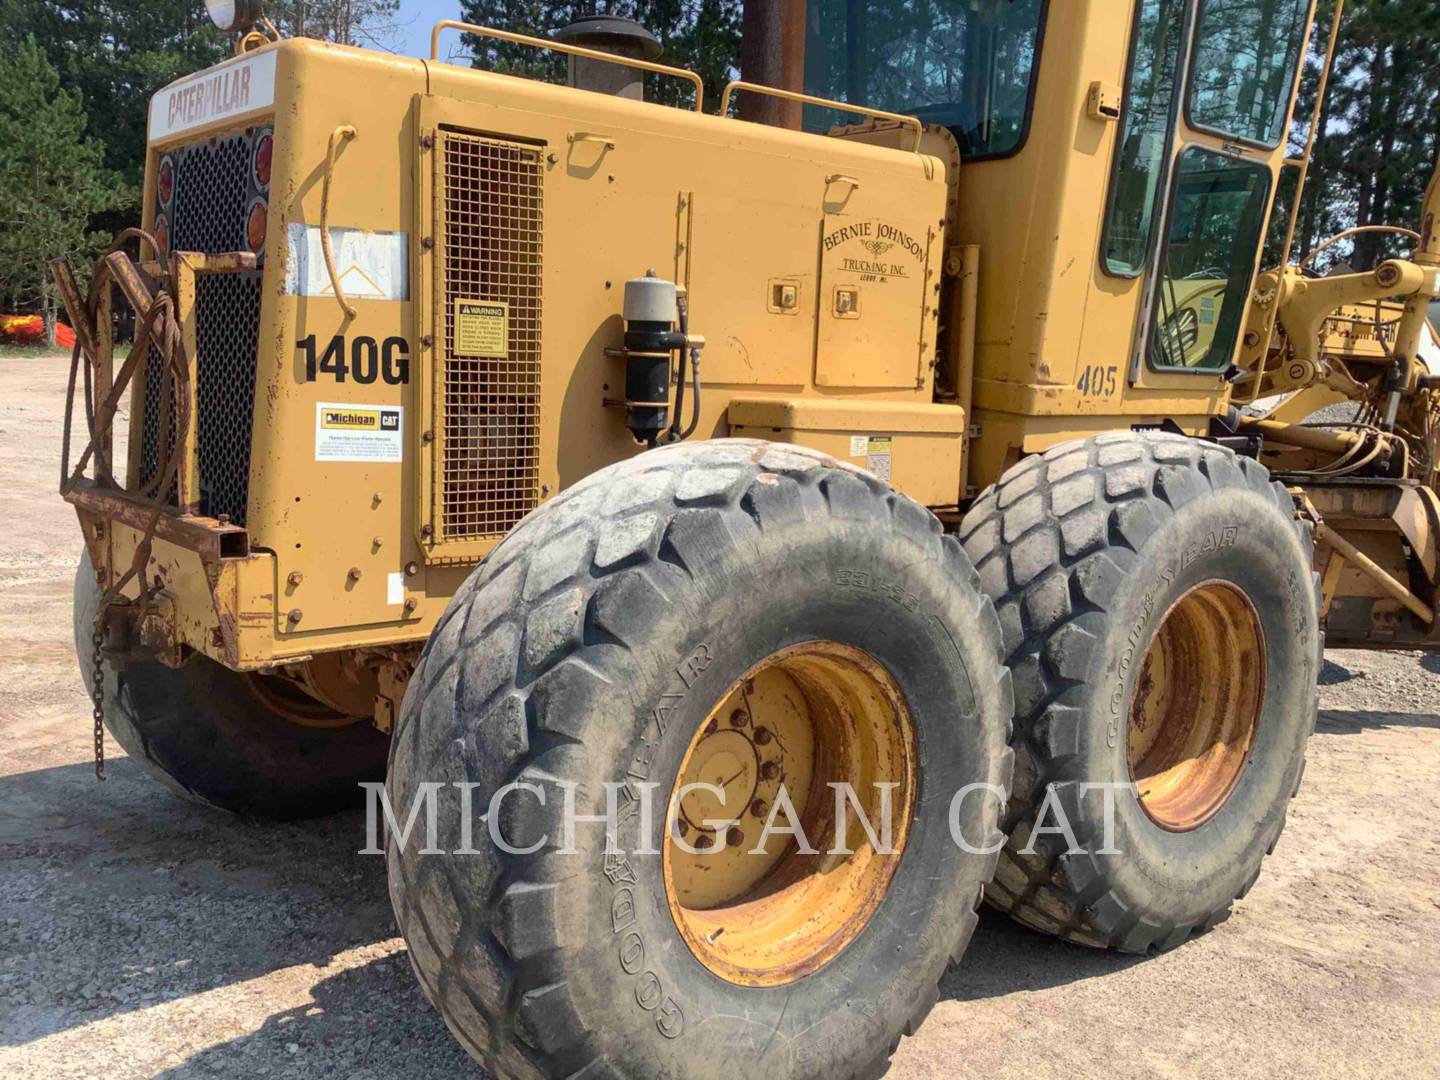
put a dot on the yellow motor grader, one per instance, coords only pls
(929, 444)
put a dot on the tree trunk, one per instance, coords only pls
(50, 315)
(855, 51)
(1370, 171)
(1315, 177)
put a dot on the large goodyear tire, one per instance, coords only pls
(209, 735)
(1160, 618)
(597, 644)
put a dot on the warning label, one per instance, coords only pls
(482, 328)
(359, 432)
(877, 456)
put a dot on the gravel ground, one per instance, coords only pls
(142, 936)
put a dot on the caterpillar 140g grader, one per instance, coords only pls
(620, 480)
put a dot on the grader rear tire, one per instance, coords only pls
(733, 612)
(211, 735)
(1160, 619)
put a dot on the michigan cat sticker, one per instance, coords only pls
(359, 432)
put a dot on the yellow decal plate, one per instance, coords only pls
(482, 328)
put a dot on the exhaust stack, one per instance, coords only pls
(612, 34)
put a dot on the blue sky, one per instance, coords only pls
(416, 18)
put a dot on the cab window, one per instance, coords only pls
(1246, 58)
(969, 65)
(1144, 142)
(1217, 211)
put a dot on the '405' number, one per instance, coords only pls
(364, 360)
(1098, 381)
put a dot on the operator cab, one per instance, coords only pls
(1147, 161)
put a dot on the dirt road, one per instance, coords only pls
(140, 935)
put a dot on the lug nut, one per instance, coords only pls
(735, 837)
(759, 807)
(769, 771)
(712, 727)
(682, 827)
(739, 718)
(762, 736)
(702, 841)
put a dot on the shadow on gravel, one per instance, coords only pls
(362, 1023)
(1005, 957)
(1333, 674)
(121, 896)
(1348, 722)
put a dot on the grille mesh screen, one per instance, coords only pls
(214, 187)
(490, 207)
(212, 195)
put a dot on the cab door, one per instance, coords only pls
(1209, 95)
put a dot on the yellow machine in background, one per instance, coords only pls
(698, 448)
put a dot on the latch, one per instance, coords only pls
(1103, 101)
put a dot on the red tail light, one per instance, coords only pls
(256, 224)
(165, 183)
(260, 165)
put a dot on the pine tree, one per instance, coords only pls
(701, 35)
(53, 180)
(1377, 140)
(116, 54)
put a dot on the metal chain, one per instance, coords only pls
(97, 697)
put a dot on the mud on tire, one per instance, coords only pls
(1084, 550)
(590, 647)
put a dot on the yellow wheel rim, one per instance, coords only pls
(806, 717)
(1197, 706)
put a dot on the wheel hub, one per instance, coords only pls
(1197, 706)
(756, 908)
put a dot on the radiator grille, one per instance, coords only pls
(491, 205)
(213, 189)
(215, 184)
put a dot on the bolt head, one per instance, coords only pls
(739, 718)
(759, 808)
(763, 736)
(294, 578)
(294, 615)
(769, 771)
(354, 574)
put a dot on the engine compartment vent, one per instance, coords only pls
(489, 210)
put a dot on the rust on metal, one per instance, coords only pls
(1197, 705)
(754, 905)
(205, 536)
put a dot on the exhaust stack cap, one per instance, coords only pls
(612, 34)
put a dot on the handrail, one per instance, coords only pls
(572, 50)
(842, 106)
(344, 131)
